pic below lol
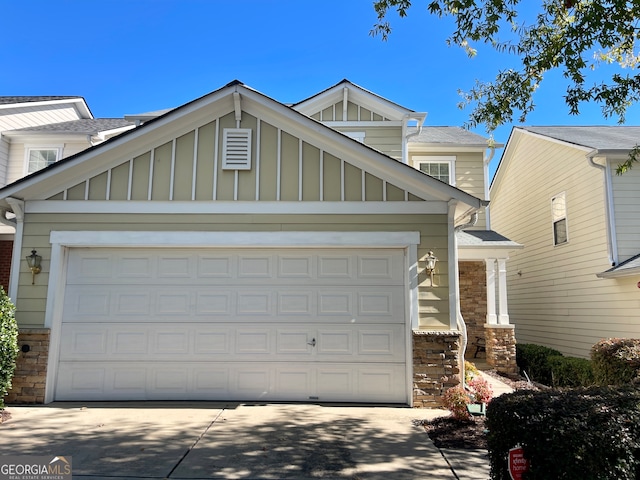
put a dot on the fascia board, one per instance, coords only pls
(79, 102)
(362, 97)
(415, 147)
(503, 164)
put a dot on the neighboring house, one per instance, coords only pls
(36, 131)
(577, 279)
(239, 248)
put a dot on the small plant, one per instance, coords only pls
(8, 344)
(481, 390)
(616, 361)
(456, 399)
(470, 371)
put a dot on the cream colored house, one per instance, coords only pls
(236, 248)
(36, 131)
(577, 279)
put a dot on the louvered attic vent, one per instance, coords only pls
(236, 149)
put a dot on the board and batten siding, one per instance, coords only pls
(32, 116)
(555, 298)
(626, 201)
(469, 172)
(433, 303)
(189, 167)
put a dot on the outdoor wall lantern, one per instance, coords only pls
(430, 268)
(33, 261)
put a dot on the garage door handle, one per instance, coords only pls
(312, 342)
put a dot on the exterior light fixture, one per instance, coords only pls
(33, 261)
(430, 268)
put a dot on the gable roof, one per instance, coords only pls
(91, 160)
(609, 138)
(335, 93)
(11, 102)
(4, 100)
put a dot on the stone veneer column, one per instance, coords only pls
(473, 302)
(29, 379)
(501, 347)
(436, 366)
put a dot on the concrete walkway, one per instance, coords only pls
(179, 440)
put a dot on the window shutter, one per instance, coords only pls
(236, 149)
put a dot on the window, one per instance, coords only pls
(442, 168)
(559, 215)
(41, 157)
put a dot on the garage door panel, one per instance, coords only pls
(234, 324)
(232, 382)
(231, 342)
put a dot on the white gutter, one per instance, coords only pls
(17, 206)
(486, 161)
(612, 243)
(456, 319)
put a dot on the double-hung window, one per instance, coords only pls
(41, 157)
(559, 218)
(440, 167)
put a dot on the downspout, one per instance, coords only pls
(454, 284)
(612, 247)
(487, 159)
(473, 219)
(17, 207)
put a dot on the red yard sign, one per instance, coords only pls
(517, 463)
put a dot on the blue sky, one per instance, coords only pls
(133, 56)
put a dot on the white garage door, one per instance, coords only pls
(241, 324)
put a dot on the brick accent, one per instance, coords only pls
(31, 367)
(436, 366)
(473, 302)
(501, 347)
(6, 252)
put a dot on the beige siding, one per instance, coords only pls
(626, 200)
(469, 173)
(388, 140)
(4, 161)
(433, 302)
(555, 298)
(283, 168)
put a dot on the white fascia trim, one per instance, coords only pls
(363, 124)
(234, 239)
(483, 253)
(81, 105)
(416, 148)
(236, 207)
(620, 273)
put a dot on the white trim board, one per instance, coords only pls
(235, 207)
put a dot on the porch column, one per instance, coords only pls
(503, 315)
(492, 318)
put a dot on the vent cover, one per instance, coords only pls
(236, 149)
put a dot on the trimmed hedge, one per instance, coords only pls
(571, 372)
(590, 434)
(8, 344)
(534, 360)
(616, 361)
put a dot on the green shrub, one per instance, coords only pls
(590, 434)
(534, 360)
(616, 361)
(8, 344)
(571, 372)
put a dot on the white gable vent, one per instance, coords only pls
(236, 149)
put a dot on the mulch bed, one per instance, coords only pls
(448, 432)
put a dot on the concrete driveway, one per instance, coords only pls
(232, 441)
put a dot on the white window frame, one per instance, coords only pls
(450, 159)
(555, 218)
(29, 148)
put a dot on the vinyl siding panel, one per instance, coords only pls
(555, 297)
(4, 161)
(433, 228)
(626, 199)
(388, 140)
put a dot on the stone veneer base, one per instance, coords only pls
(436, 366)
(29, 379)
(501, 347)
